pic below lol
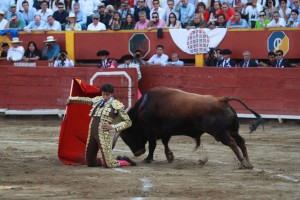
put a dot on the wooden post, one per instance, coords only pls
(199, 60)
(70, 44)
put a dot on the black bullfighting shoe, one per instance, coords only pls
(132, 163)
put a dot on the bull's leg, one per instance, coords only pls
(168, 152)
(240, 141)
(152, 146)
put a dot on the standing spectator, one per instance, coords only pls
(142, 23)
(32, 53)
(80, 16)
(127, 63)
(20, 6)
(125, 10)
(228, 12)
(96, 25)
(280, 61)
(28, 13)
(158, 9)
(263, 21)
(170, 9)
(175, 61)
(159, 58)
(141, 7)
(216, 10)
(3, 21)
(252, 11)
(186, 11)
(5, 5)
(52, 25)
(61, 15)
(35, 25)
(173, 22)
(270, 61)
(15, 23)
(110, 12)
(197, 22)
(106, 62)
(54, 4)
(238, 22)
(13, 11)
(270, 8)
(116, 23)
(295, 22)
(247, 62)
(72, 25)
(220, 23)
(129, 23)
(276, 21)
(138, 59)
(44, 12)
(155, 22)
(51, 49)
(4, 48)
(63, 60)
(16, 52)
(284, 11)
(227, 62)
(201, 10)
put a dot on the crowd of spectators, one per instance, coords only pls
(60, 15)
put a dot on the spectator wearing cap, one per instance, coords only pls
(280, 61)
(51, 49)
(61, 15)
(36, 25)
(127, 63)
(143, 22)
(72, 24)
(15, 23)
(141, 6)
(63, 60)
(12, 12)
(237, 22)
(4, 48)
(106, 62)
(80, 15)
(52, 24)
(3, 21)
(96, 25)
(104, 17)
(28, 12)
(44, 12)
(247, 62)
(16, 52)
(20, 6)
(159, 58)
(227, 62)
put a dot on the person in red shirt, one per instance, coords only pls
(228, 12)
(201, 10)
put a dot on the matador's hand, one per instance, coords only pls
(107, 127)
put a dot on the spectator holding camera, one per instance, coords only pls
(252, 10)
(295, 22)
(32, 53)
(63, 60)
(51, 49)
(212, 57)
(116, 22)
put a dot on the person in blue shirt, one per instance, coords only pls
(174, 61)
(238, 21)
(36, 24)
(186, 11)
(51, 49)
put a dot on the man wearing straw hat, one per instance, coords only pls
(16, 52)
(51, 49)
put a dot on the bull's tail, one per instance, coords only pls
(259, 120)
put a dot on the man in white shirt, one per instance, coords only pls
(3, 21)
(63, 60)
(45, 11)
(16, 52)
(159, 58)
(20, 7)
(277, 21)
(156, 8)
(96, 25)
(253, 12)
(127, 59)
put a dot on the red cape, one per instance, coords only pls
(75, 126)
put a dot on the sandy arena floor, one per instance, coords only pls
(30, 169)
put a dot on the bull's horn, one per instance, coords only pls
(116, 136)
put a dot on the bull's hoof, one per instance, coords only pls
(170, 157)
(147, 160)
(245, 164)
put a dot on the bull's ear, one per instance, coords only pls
(114, 142)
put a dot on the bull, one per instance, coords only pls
(164, 112)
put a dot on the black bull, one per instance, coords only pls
(164, 112)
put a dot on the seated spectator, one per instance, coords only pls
(15, 23)
(170, 9)
(220, 23)
(116, 23)
(247, 62)
(63, 60)
(61, 15)
(155, 22)
(186, 11)
(72, 25)
(51, 49)
(5, 6)
(32, 53)
(141, 7)
(80, 16)
(4, 48)
(280, 61)
(198, 22)
(263, 21)
(173, 22)
(13, 11)
(276, 21)
(138, 59)
(252, 11)
(129, 23)
(201, 10)
(106, 62)
(227, 62)
(216, 10)
(142, 24)
(96, 25)
(174, 61)
(270, 61)
(295, 22)
(284, 11)
(125, 10)
(16, 52)
(3, 21)
(36, 25)
(227, 11)
(104, 17)
(156, 8)
(52, 25)
(109, 10)
(44, 12)
(237, 22)
(159, 58)
(127, 63)
(28, 12)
